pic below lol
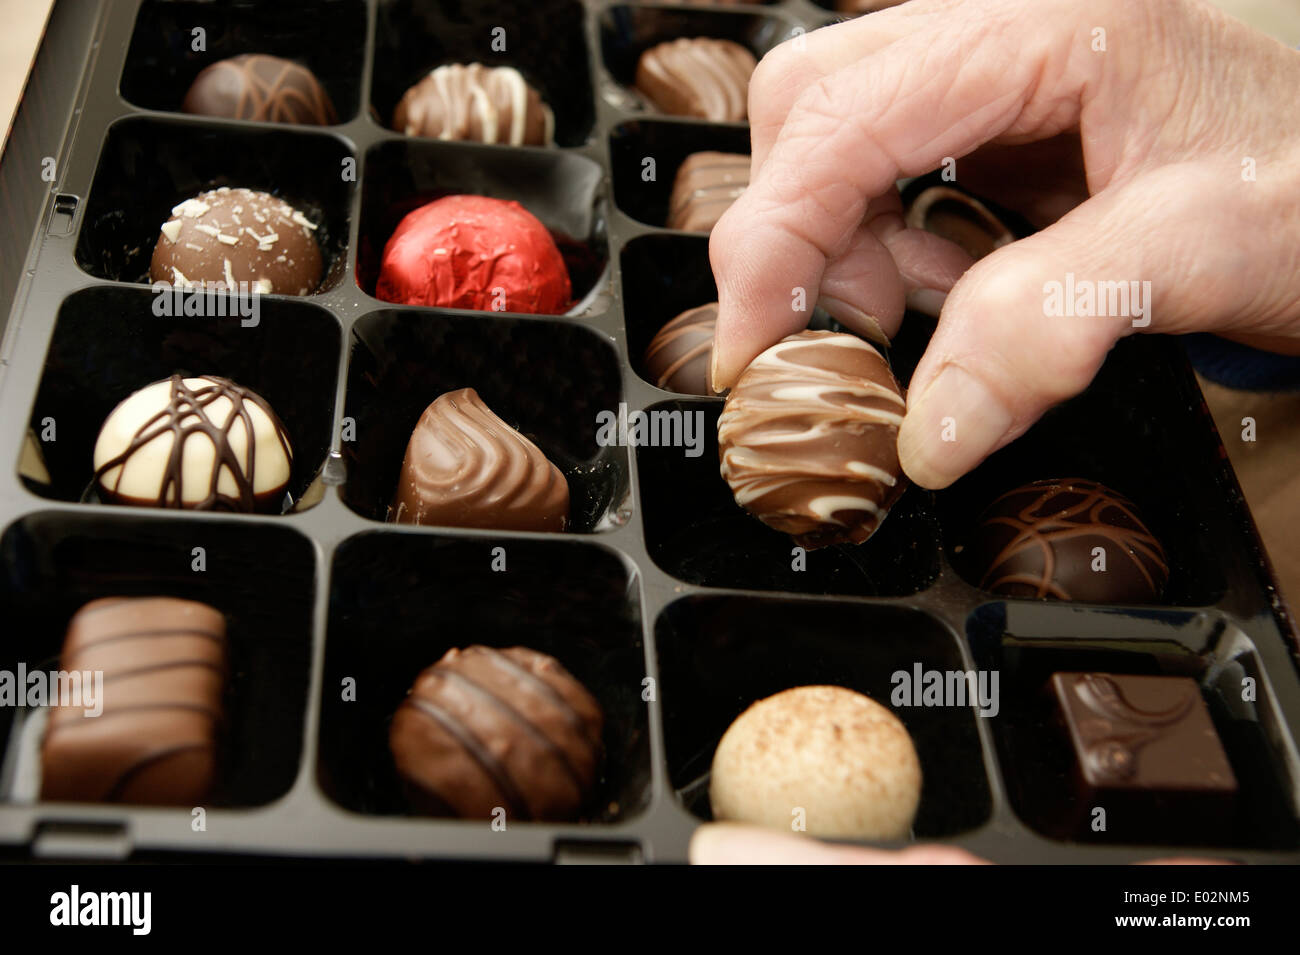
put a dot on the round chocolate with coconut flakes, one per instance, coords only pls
(808, 438)
(238, 240)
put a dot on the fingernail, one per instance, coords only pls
(854, 317)
(715, 377)
(927, 300)
(954, 424)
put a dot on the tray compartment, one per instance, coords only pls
(398, 602)
(627, 31)
(107, 344)
(696, 531)
(414, 36)
(162, 63)
(1027, 642)
(1136, 418)
(548, 379)
(561, 189)
(149, 165)
(718, 655)
(261, 576)
(668, 143)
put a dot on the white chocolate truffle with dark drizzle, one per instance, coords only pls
(238, 240)
(808, 438)
(202, 443)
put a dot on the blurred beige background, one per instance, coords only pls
(1269, 469)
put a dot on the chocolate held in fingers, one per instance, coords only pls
(808, 438)
(707, 184)
(260, 87)
(679, 356)
(484, 728)
(697, 76)
(204, 444)
(155, 740)
(477, 103)
(465, 467)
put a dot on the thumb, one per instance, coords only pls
(1029, 325)
(728, 843)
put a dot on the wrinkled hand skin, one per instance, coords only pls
(1166, 117)
(725, 843)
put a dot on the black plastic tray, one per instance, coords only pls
(663, 589)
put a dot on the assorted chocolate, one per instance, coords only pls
(960, 218)
(155, 740)
(238, 240)
(476, 103)
(485, 730)
(681, 353)
(260, 87)
(808, 438)
(820, 759)
(1145, 749)
(706, 185)
(474, 252)
(1069, 539)
(465, 467)
(201, 443)
(697, 76)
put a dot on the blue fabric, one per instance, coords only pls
(1240, 366)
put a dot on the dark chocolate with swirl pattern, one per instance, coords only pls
(679, 356)
(1145, 749)
(486, 729)
(1069, 539)
(155, 739)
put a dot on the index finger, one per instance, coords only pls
(850, 136)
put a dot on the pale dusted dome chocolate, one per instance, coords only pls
(809, 438)
(486, 729)
(465, 467)
(238, 239)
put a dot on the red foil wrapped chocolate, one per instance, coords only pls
(474, 252)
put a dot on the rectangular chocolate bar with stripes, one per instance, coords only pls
(154, 740)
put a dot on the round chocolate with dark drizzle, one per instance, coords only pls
(154, 739)
(809, 438)
(706, 185)
(476, 103)
(1069, 539)
(697, 76)
(680, 354)
(260, 87)
(238, 240)
(465, 467)
(486, 729)
(204, 444)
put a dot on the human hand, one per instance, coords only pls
(1173, 114)
(727, 843)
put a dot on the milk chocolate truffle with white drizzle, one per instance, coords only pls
(238, 240)
(809, 438)
(204, 444)
(697, 76)
(477, 103)
(260, 87)
(465, 467)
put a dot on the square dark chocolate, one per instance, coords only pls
(1145, 749)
